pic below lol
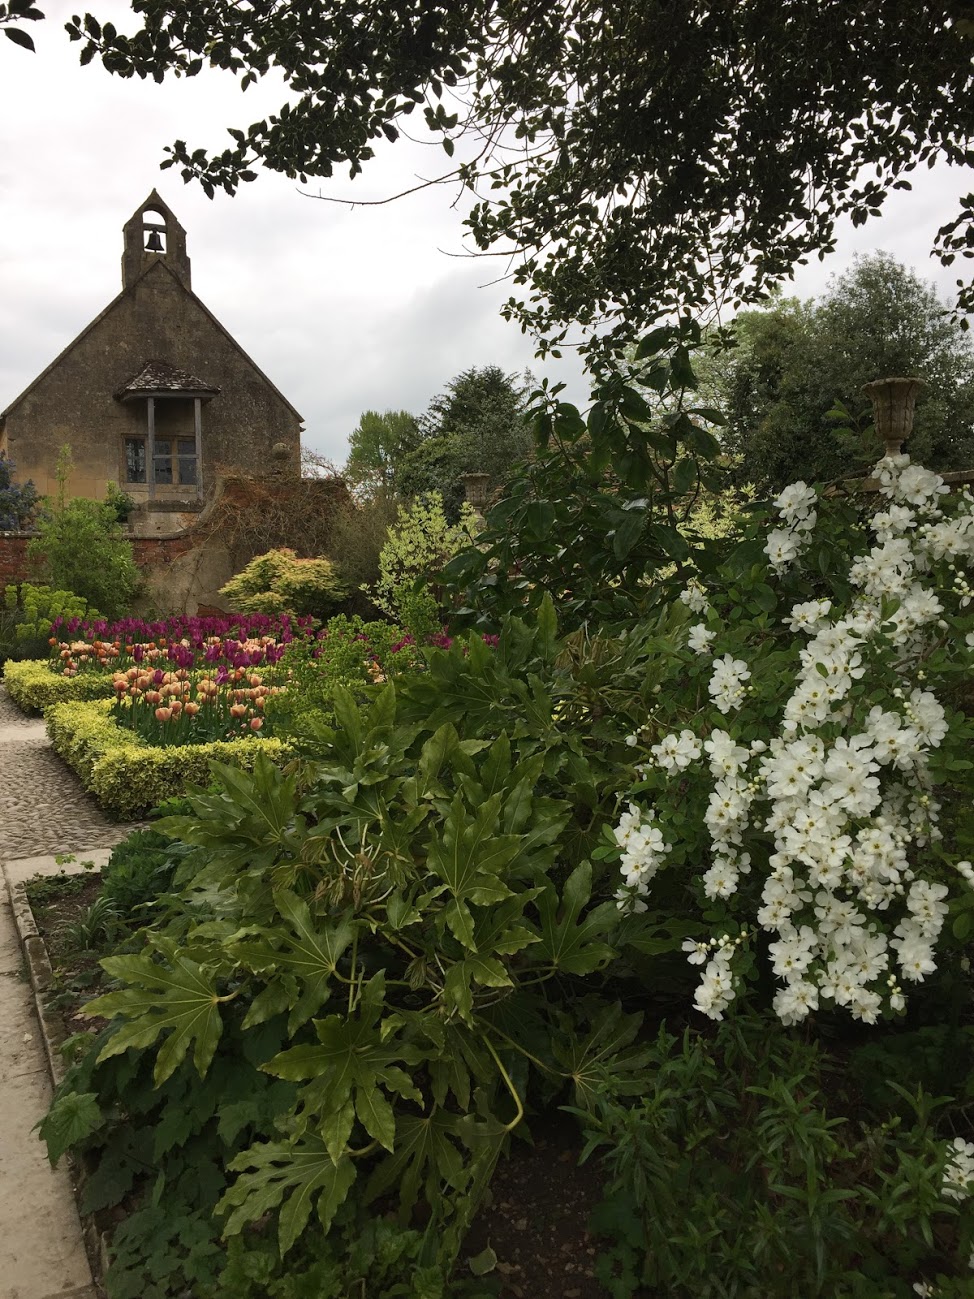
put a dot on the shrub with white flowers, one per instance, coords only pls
(805, 763)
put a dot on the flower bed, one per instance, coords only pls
(33, 685)
(126, 774)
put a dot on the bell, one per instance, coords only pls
(153, 244)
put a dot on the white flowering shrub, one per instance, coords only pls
(805, 767)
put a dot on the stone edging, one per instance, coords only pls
(53, 1035)
(53, 1031)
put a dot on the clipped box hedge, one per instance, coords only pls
(33, 684)
(128, 776)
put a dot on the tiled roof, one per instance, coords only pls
(160, 376)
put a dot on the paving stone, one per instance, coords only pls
(43, 808)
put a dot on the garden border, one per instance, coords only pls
(54, 1033)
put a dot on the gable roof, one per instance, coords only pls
(156, 267)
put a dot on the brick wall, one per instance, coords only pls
(150, 552)
(187, 569)
(13, 557)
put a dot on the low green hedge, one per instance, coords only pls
(33, 684)
(127, 775)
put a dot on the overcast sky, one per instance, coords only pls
(344, 309)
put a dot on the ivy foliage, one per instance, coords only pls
(631, 159)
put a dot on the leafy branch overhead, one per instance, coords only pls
(17, 11)
(630, 159)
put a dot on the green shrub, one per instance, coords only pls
(128, 776)
(280, 582)
(359, 531)
(736, 1172)
(120, 501)
(34, 685)
(140, 868)
(81, 547)
(419, 544)
(17, 504)
(348, 653)
(28, 614)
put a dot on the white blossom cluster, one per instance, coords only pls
(796, 505)
(846, 911)
(959, 1173)
(643, 851)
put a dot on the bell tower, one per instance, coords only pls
(152, 234)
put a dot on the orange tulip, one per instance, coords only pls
(256, 723)
(163, 714)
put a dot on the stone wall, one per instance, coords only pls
(186, 570)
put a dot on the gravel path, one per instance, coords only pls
(43, 808)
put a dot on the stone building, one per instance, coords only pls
(154, 395)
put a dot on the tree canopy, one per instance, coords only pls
(629, 159)
(476, 425)
(795, 360)
(377, 444)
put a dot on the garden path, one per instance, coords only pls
(43, 810)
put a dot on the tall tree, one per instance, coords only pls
(476, 425)
(795, 360)
(667, 153)
(377, 445)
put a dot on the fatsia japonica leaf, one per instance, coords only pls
(469, 856)
(606, 1050)
(307, 956)
(303, 1173)
(568, 940)
(246, 824)
(176, 994)
(426, 1159)
(463, 976)
(72, 1117)
(354, 1057)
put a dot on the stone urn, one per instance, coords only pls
(475, 489)
(894, 401)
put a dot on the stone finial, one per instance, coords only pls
(475, 490)
(894, 401)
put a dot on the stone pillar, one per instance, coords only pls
(894, 401)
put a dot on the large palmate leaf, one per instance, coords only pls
(426, 1159)
(72, 1117)
(351, 1061)
(570, 941)
(469, 856)
(605, 1049)
(177, 994)
(302, 1172)
(243, 826)
(306, 958)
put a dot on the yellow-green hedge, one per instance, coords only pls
(127, 775)
(32, 684)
